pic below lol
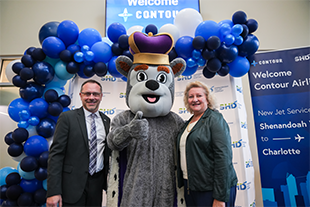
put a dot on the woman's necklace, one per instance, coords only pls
(188, 128)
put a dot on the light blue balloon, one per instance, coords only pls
(51, 61)
(56, 82)
(44, 183)
(61, 71)
(25, 175)
(4, 172)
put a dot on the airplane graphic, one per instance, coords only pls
(299, 138)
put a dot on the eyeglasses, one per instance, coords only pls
(88, 94)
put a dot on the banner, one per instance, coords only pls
(280, 87)
(229, 95)
(135, 13)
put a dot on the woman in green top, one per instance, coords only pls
(205, 166)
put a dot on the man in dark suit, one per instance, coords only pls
(70, 180)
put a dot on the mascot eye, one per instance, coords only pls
(162, 78)
(141, 76)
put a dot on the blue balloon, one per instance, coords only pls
(226, 21)
(4, 172)
(35, 146)
(30, 186)
(43, 72)
(190, 70)
(207, 29)
(239, 67)
(73, 48)
(238, 40)
(68, 32)
(89, 36)
(46, 128)
(102, 52)
(47, 30)
(236, 30)
(31, 91)
(190, 62)
(184, 47)
(15, 107)
(44, 184)
(249, 46)
(79, 57)
(115, 30)
(112, 68)
(38, 107)
(52, 46)
(229, 39)
(23, 124)
(33, 120)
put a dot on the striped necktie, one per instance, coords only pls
(93, 146)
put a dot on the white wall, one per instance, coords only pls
(283, 24)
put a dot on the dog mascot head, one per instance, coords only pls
(150, 76)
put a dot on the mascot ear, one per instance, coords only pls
(178, 65)
(123, 65)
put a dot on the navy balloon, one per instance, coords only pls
(245, 31)
(51, 95)
(40, 173)
(8, 139)
(43, 159)
(20, 135)
(40, 196)
(207, 73)
(13, 192)
(252, 25)
(172, 54)
(30, 50)
(213, 43)
(239, 17)
(29, 163)
(3, 189)
(38, 54)
(123, 42)
(55, 108)
(224, 70)
(27, 60)
(48, 29)
(249, 46)
(227, 54)
(214, 65)
(43, 72)
(88, 71)
(199, 42)
(16, 67)
(66, 56)
(19, 82)
(115, 30)
(208, 54)
(25, 199)
(12, 179)
(100, 69)
(15, 149)
(46, 127)
(72, 67)
(151, 28)
(31, 91)
(26, 73)
(116, 49)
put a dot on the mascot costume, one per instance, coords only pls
(143, 138)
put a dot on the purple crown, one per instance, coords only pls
(150, 49)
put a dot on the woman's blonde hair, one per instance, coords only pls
(197, 84)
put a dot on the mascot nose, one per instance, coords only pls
(152, 85)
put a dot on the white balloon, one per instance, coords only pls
(107, 40)
(134, 29)
(20, 157)
(32, 130)
(187, 21)
(171, 29)
(9, 73)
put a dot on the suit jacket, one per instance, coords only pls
(69, 156)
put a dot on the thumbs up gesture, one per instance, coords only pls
(138, 128)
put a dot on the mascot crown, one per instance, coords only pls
(150, 49)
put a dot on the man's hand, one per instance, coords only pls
(54, 201)
(217, 203)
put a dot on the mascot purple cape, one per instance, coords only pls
(143, 138)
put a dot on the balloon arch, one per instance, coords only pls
(217, 48)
